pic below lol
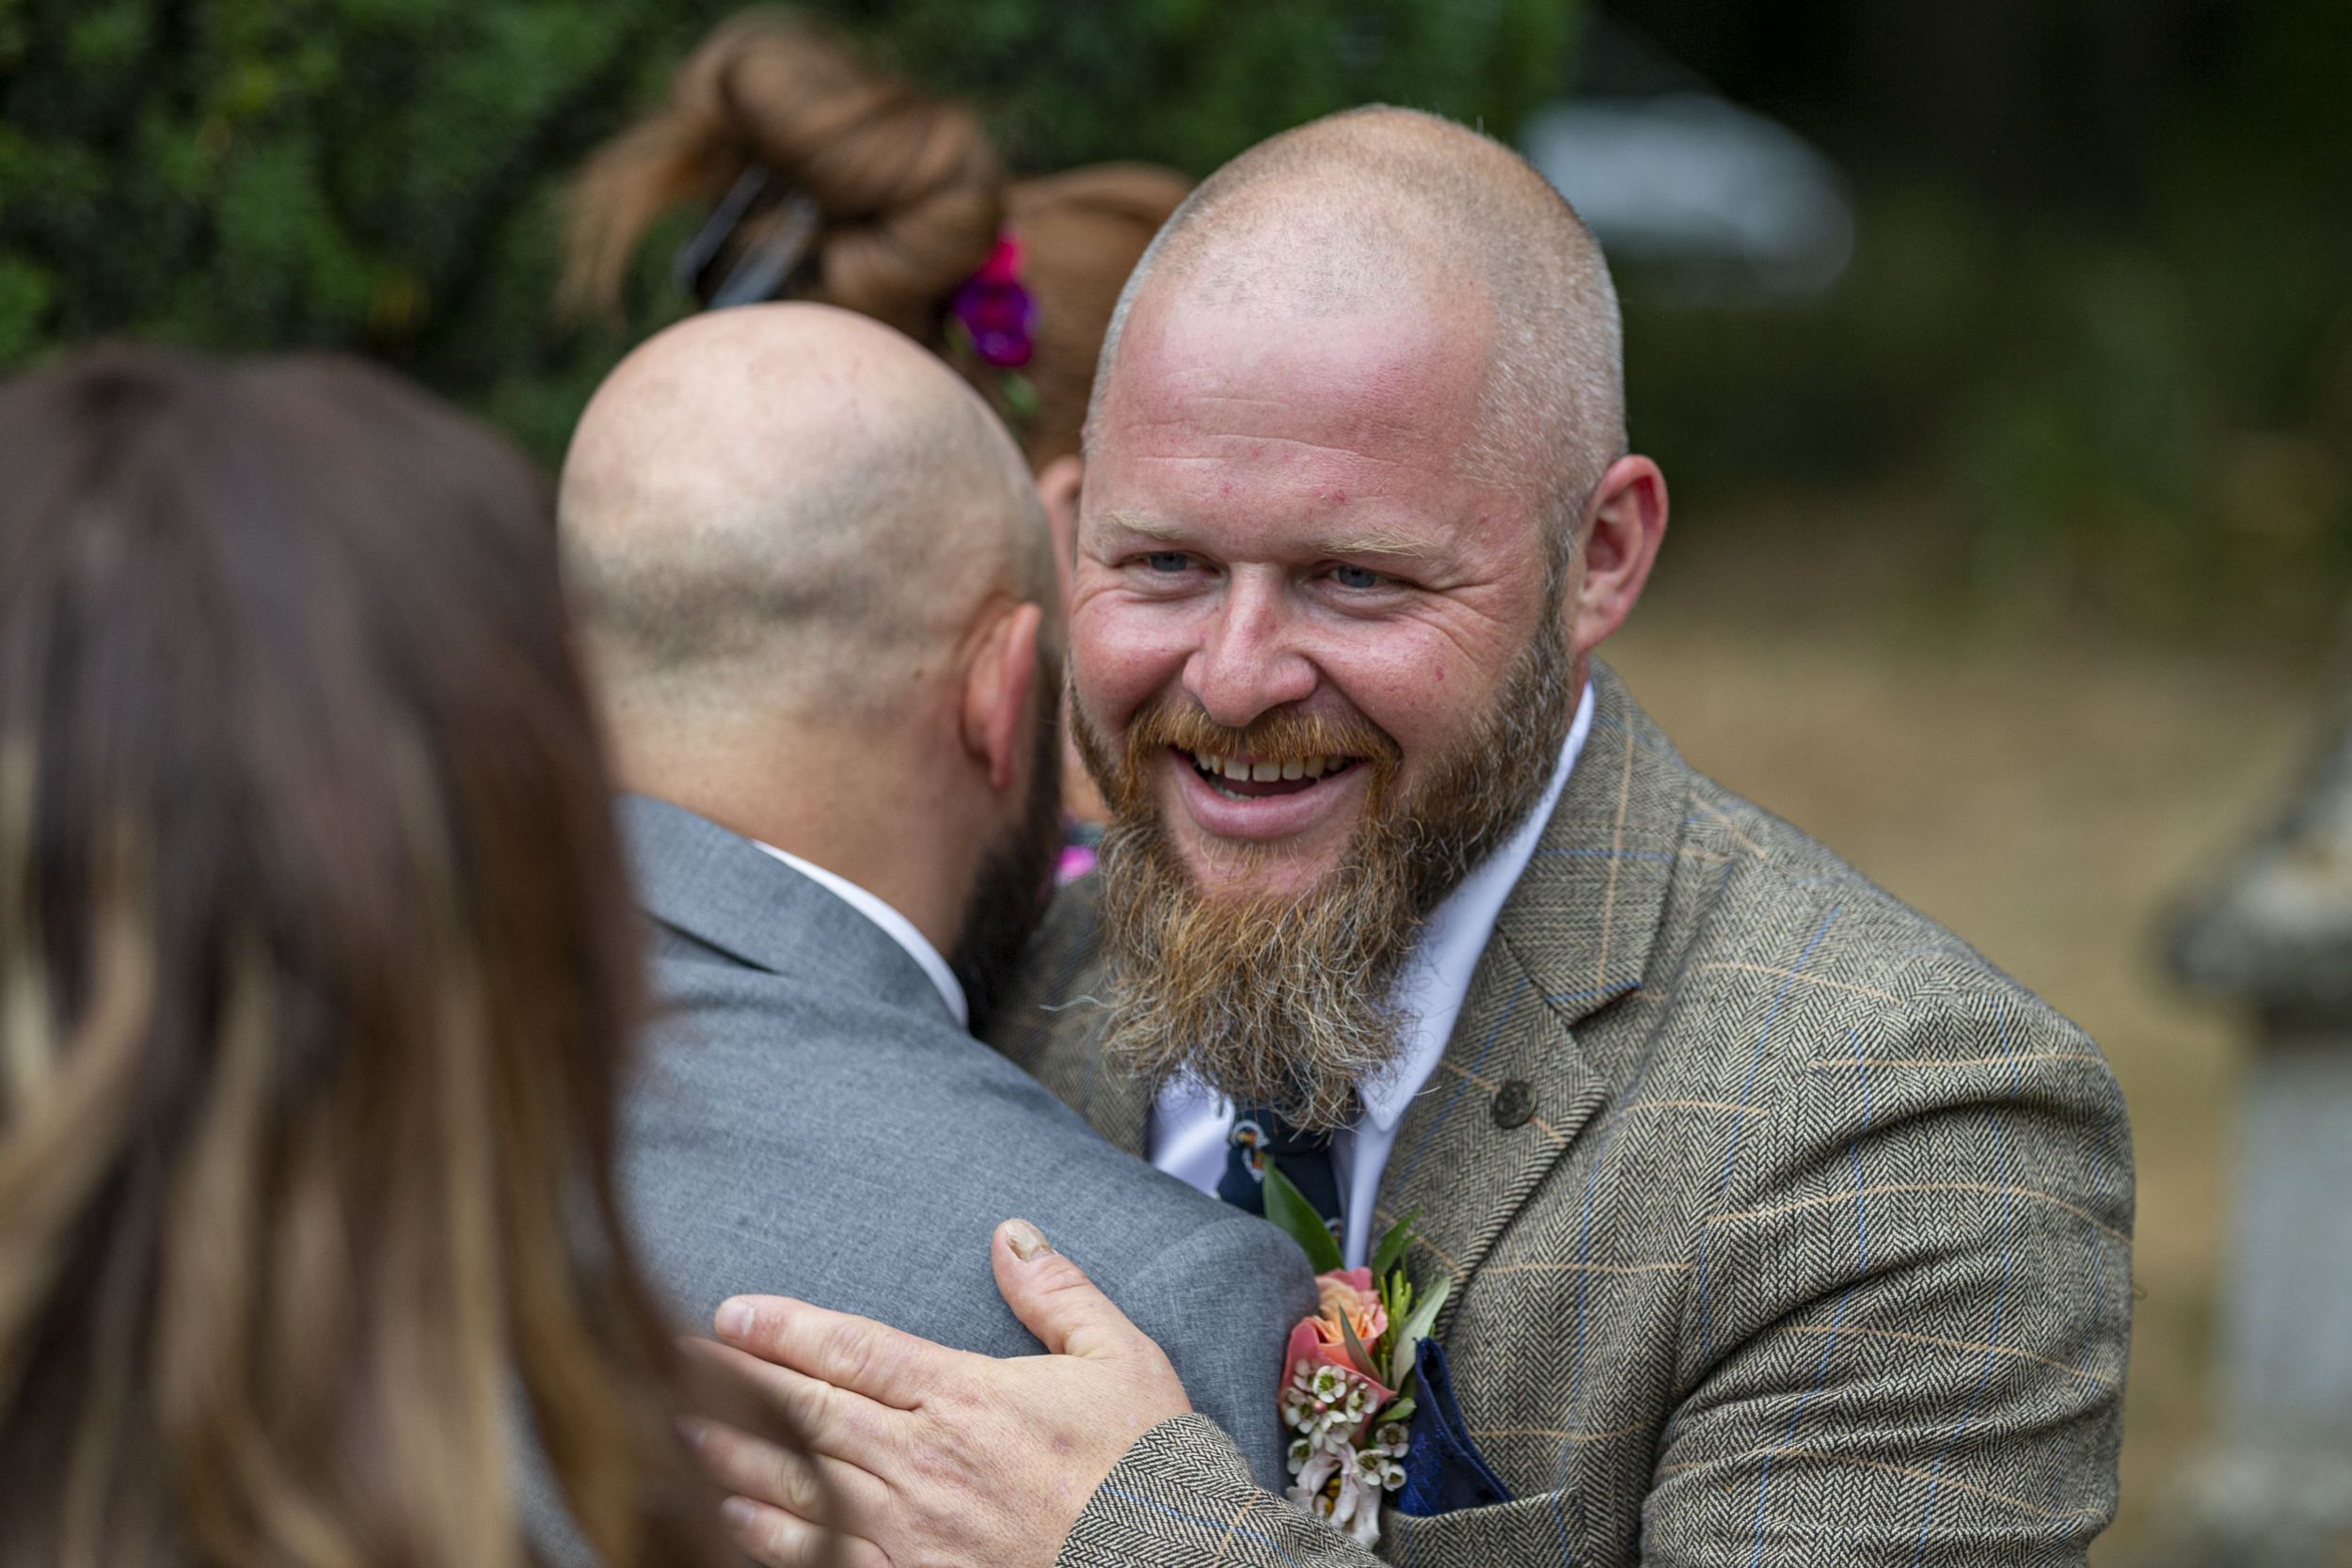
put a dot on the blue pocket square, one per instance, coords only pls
(1443, 1469)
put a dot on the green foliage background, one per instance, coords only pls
(384, 175)
(2100, 315)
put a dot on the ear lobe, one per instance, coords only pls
(997, 689)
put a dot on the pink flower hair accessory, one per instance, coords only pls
(996, 310)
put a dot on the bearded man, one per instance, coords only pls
(1780, 1226)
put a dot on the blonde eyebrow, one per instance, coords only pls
(1395, 545)
(1392, 546)
(1127, 522)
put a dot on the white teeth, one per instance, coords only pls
(1217, 766)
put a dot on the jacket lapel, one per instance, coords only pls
(1050, 1025)
(1512, 1090)
(1117, 1105)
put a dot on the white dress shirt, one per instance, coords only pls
(898, 927)
(1189, 1123)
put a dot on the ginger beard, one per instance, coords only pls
(1290, 1001)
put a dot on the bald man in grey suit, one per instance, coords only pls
(816, 591)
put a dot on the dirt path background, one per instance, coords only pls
(2046, 790)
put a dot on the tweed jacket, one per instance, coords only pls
(1784, 1227)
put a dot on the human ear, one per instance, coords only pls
(997, 689)
(1058, 485)
(1623, 528)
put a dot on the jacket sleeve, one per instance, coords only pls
(1905, 1337)
(1183, 1496)
(1221, 1301)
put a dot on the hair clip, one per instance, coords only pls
(761, 270)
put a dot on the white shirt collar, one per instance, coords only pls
(1437, 977)
(898, 927)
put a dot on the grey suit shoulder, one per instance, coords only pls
(811, 1120)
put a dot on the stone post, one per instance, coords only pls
(2274, 933)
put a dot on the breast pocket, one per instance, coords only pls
(1524, 1530)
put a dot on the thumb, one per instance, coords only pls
(1054, 1299)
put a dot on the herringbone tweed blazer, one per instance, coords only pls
(1784, 1227)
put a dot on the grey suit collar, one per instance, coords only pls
(724, 891)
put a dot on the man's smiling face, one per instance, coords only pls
(1281, 551)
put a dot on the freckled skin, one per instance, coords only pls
(1254, 440)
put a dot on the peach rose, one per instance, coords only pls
(1349, 1294)
(1318, 1342)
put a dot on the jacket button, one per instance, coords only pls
(1515, 1104)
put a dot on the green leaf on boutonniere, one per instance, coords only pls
(1414, 1330)
(1396, 1295)
(1392, 1245)
(1356, 1351)
(1288, 1208)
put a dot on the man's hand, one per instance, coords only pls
(926, 1457)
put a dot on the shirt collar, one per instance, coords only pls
(894, 926)
(1437, 977)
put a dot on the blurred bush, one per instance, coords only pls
(384, 175)
(2084, 422)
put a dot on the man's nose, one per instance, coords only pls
(1250, 662)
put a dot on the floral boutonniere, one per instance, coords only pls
(1347, 1376)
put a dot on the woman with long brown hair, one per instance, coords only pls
(317, 971)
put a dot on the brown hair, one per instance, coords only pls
(317, 968)
(910, 199)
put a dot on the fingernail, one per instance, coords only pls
(1025, 1239)
(735, 1318)
(691, 1432)
(737, 1512)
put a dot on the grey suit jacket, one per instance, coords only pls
(1784, 1228)
(810, 1120)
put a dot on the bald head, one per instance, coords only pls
(788, 509)
(1392, 210)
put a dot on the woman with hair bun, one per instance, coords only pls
(826, 180)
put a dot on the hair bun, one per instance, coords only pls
(910, 197)
(910, 192)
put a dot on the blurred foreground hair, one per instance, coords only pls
(908, 197)
(317, 967)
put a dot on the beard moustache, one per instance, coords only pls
(1013, 882)
(1290, 1003)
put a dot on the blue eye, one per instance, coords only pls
(1168, 560)
(1355, 576)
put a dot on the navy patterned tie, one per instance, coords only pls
(1259, 1135)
